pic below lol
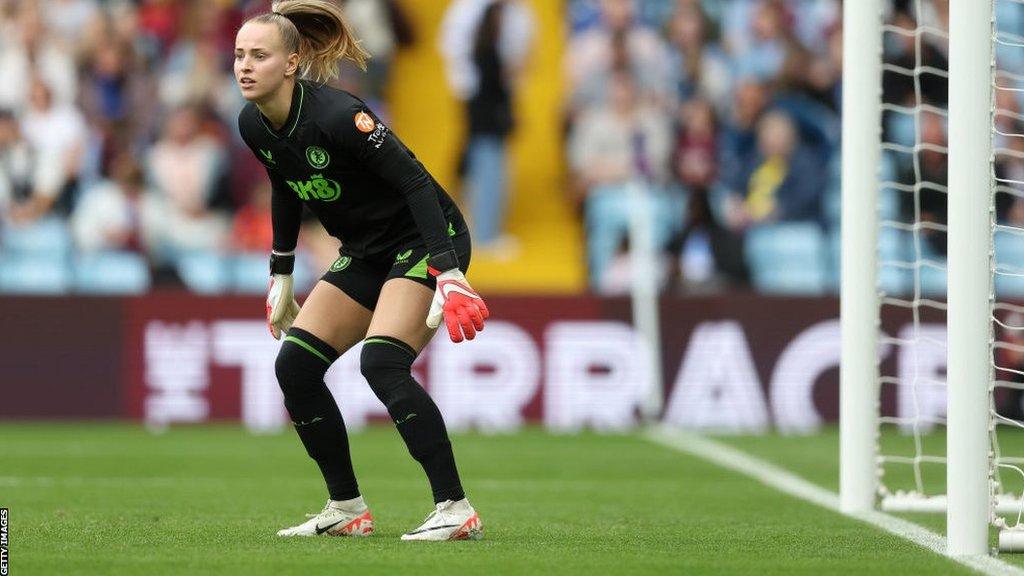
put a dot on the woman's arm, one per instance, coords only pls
(285, 214)
(383, 154)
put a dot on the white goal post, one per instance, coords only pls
(972, 453)
(862, 145)
(969, 285)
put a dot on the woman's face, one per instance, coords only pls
(261, 62)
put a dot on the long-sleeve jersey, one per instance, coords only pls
(366, 187)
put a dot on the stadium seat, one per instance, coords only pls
(787, 258)
(888, 197)
(250, 274)
(111, 273)
(23, 273)
(204, 272)
(835, 261)
(1009, 259)
(933, 277)
(45, 237)
(895, 246)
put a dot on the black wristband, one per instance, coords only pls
(444, 261)
(281, 264)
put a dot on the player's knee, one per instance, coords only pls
(386, 363)
(300, 367)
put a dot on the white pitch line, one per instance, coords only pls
(785, 481)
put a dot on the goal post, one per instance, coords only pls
(861, 156)
(914, 279)
(969, 277)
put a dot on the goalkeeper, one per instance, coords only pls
(400, 272)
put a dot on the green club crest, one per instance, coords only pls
(318, 157)
(341, 263)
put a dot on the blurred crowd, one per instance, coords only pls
(120, 163)
(121, 168)
(724, 116)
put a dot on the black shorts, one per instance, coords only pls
(363, 278)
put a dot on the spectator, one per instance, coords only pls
(113, 212)
(696, 155)
(695, 166)
(699, 62)
(251, 231)
(184, 167)
(382, 27)
(928, 206)
(24, 178)
(619, 42)
(68, 20)
(57, 133)
(815, 22)
(494, 64)
(458, 41)
(33, 52)
(758, 37)
(160, 21)
(193, 72)
(782, 181)
(739, 134)
(115, 95)
(901, 51)
(625, 143)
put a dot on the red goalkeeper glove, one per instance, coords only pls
(461, 307)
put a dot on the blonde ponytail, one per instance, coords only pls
(318, 31)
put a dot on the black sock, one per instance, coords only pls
(386, 364)
(301, 365)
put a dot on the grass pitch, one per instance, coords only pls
(115, 499)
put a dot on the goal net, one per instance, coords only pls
(946, 219)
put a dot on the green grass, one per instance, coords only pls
(114, 499)
(816, 458)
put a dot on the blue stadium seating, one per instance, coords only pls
(933, 277)
(787, 258)
(835, 260)
(111, 273)
(205, 272)
(45, 237)
(1009, 258)
(895, 246)
(22, 273)
(249, 273)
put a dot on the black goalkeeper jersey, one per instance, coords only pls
(336, 157)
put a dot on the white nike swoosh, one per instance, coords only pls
(449, 288)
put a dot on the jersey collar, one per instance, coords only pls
(294, 112)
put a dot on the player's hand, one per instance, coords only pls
(461, 307)
(282, 309)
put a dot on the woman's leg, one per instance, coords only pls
(397, 334)
(329, 323)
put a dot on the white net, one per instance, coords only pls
(912, 262)
(912, 269)
(1007, 381)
